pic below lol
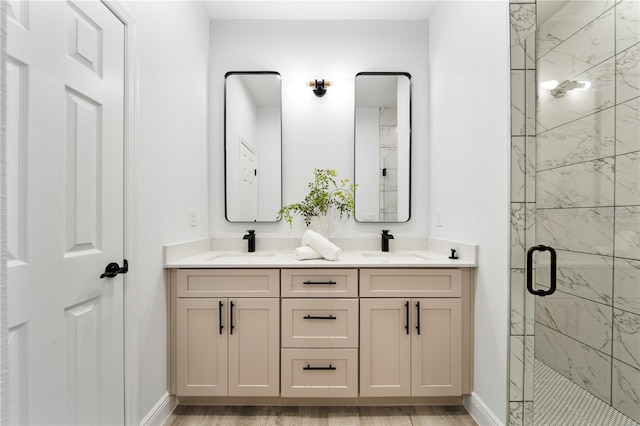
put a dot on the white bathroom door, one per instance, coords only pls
(65, 203)
(248, 183)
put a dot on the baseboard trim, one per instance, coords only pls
(479, 411)
(161, 411)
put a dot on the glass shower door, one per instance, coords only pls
(583, 269)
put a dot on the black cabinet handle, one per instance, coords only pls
(552, 283)
(330, 367)
(406, 306)
(330, 317)
(220, 305)
(320, 282)
(231, 326)
(418, 312)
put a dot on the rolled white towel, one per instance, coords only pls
(326, 248)
(307, 252)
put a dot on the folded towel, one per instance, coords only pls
(326, 248)
(307, 252)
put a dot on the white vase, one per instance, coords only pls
(320, 224)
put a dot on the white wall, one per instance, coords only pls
(318, 132)
(469, 63)
(171, 168)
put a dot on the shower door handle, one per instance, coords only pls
(552, 283)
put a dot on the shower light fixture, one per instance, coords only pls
(562, 89)
(549, 84)
(585, 85)
(319, 87)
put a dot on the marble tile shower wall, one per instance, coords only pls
(576, 187)
(523, 144)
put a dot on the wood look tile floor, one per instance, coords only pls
(325, 416)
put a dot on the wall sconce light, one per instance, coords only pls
(319, 87)
(559, 90)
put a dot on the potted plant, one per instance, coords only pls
(325, 192)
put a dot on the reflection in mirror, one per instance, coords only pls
(383, 147)
(253, 141)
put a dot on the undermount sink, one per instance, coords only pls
(394, 257)
(240, 257)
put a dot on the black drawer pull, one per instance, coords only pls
(330, 317)
(320, 282)
(330, 367)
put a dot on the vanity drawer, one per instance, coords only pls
(319, 373)
(320, 323)
(228, 282)
(410, 282)
(319, 283)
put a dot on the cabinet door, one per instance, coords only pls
(201, 347)
(385, 347)
(436, 360)
(254, 347)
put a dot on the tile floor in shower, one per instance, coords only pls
(560, 402)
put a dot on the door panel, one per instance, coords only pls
(16, 80)
(82, 356)
(82, 180)
(18, 374)
(65, 184)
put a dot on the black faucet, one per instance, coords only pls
(386, 236)
(251, 239)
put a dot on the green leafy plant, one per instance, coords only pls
(324, 193)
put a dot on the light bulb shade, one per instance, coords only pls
(549, 84)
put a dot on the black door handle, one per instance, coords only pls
(418, 314)
(552, 283)
(114, 269)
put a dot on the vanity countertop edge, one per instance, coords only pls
(198, 254)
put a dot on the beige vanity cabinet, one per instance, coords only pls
(310, 335)
(227, 346)
(410, 332)
(319, 333)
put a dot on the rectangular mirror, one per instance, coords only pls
(253, 146)
(383, 147)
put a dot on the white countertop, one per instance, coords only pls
(347, 259)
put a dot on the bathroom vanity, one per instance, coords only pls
(370, 329)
